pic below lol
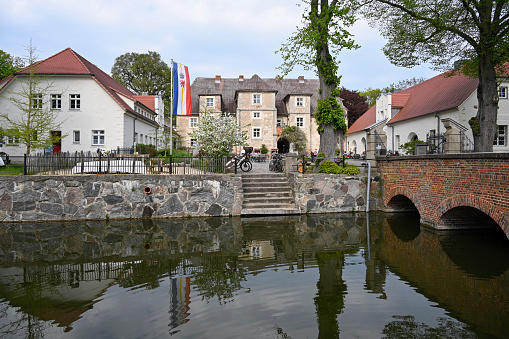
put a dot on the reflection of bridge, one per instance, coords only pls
(450, 190)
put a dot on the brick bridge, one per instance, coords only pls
(449, 190)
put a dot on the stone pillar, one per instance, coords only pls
(290, 163)
(452, 137)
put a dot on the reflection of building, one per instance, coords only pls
(264, 106)
(259, 250)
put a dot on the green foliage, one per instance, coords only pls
(11, 170)
(409, 147)
(264, 149)
(175, 153)
(371, 95)
(146, 149)
(144, 72)
(328, 111)
(295, 136)
(331, 167)
(319, 157)
(9, 64)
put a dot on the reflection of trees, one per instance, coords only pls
(330, 298)
(220, 276)
(407, 327)
(147, 273)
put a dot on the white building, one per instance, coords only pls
(443, 104)
(95, 110)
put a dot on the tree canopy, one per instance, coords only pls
(443, 32)
(9, 64)
(296, 137)
(144, 72)
(315, 46)
(355, 103)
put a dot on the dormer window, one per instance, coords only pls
(257, 99)
(210, 102)
(299, 102)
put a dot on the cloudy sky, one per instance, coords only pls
(212, 37)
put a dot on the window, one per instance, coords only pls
(98, 137)
(76, 137)
(194, 143)
(501, 136)
(300, 102)
(210, 102)
(12, 137)
(257, 115)
(136, 138)
(300, 122)
(256, 133)
(37, 101)
(397, 142)
(193, 122)
(279, 123)
(257, 99)
(502, 92)
(74, 101)
(56, 101)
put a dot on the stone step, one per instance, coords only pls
(265, 184)
(267, 206)
(269, 211)
(270, 189)
(266, 200)
(265, 194)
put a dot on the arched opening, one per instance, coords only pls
(465, 217)
(400, 203)
(283, 145)
(363, 145)
(354, 147)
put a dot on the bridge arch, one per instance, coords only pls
(400, 198)
(467, 211)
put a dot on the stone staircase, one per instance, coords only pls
(267, 194)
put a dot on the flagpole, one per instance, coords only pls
(171, 111)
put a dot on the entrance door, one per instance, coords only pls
(56, 136)
(283, 146)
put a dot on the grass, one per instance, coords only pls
(11, 170)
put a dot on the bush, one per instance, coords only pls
(332, 168)
(146, 149)
(319, 157)
(264, 149)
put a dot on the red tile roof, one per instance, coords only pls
(68, 62)
(437, 94)
(147, 100)
(364, 121)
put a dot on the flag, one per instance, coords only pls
(181, 90)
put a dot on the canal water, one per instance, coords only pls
(313, 276)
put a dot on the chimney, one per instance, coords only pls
(218, 79)
(301, 79)
(241, 78)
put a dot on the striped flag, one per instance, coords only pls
(181, 90)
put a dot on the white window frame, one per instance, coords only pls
(56, 101)
(257, 115)
(193, 122)
(502, 92)
(257, 133)
(299, 121)
(209, 102)
(76, 137)
(74, 101)
(257, 98)
(98, 137)
(299, 102)
(501, 136)
(37, 101)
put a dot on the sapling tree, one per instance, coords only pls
(216, 136)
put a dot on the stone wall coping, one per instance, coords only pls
(487, 155)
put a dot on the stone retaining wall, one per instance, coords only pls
(88, 197)
(331, 193)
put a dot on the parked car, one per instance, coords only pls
(5, 159)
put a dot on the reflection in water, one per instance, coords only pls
(322, 276)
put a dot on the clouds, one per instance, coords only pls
(212, 37)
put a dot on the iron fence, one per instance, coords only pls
(98, 163)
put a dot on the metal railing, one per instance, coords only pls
(99, 163)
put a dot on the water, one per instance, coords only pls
(319, 276)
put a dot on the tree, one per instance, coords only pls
(144, 72)
(355, 103)
(444, 32)
(216, 136)
(371, 95)
(314, 45)
(403, 84)
(295, 136)
(33, 125)
(9, 64)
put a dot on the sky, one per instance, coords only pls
(212, 37)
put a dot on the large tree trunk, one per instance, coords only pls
(484, 124)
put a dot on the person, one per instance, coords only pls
(242, 153)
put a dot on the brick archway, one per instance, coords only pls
(404, 191)
(474, 201)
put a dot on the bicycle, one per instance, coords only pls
(276, 164)
(244, 164)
